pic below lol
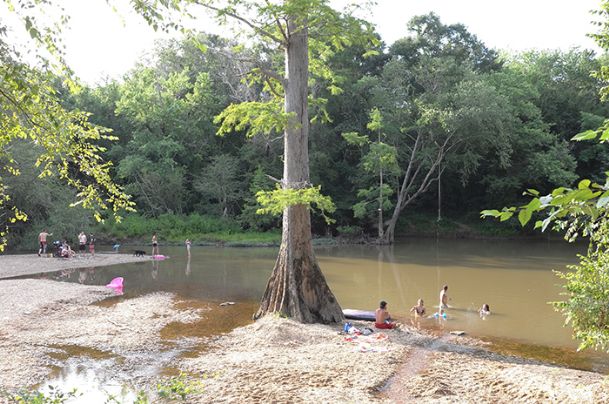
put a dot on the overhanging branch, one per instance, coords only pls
(245, 21)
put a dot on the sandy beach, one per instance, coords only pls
(272, 360)
(29, 264)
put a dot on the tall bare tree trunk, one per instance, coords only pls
(439, 193)
(381, 221)
(381, 224)
(297, 286)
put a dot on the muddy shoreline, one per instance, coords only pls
(48, 323)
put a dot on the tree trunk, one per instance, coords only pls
(439, 193)
(381, 224)
(297, 286)
(409, 191)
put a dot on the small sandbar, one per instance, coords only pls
(30, 264)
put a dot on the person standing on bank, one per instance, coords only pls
(92, 245)
(42, 240)
(82, 243)
(155, 244)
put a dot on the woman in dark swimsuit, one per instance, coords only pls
(155, 244)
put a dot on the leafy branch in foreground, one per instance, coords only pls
(179, 387)
(66, 142)
(580, 211)
(54, 396)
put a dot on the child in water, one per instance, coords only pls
(419, 309)
(485, 310)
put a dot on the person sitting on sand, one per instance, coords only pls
(66, 250)
(382, 318)
(419, 309)
(485, 310)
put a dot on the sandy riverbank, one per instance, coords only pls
(47, 323)
(278, 360)
(29, 264)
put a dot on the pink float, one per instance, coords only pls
(115, 283)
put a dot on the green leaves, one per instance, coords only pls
(602, 133)
(68, 145)
(587, 135)
(355, 139)
(274, 202)
(253, 118)
(586, 307)
(524, 216)
(376, 120)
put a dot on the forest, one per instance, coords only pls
(413, 137)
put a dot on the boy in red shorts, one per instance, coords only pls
(383, 318)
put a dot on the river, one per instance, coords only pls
(514, 277)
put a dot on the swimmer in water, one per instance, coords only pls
(419, 309)
(444, 297)
(485, 310)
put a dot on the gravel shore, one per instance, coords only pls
(30, 264)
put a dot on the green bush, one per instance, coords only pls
(176, 228)
(587, 306)
(54, 396)
(349, 231)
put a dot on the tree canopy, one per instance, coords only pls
(488, 124)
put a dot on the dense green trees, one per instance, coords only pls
(460, 118)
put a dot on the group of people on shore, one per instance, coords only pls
(383, 319)
(63, 248)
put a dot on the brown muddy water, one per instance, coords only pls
(514, 277)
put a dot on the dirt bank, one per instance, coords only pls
(29, 264)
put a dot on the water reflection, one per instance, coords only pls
(155, 270)
(188, 271)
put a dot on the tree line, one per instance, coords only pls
(435, 124)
